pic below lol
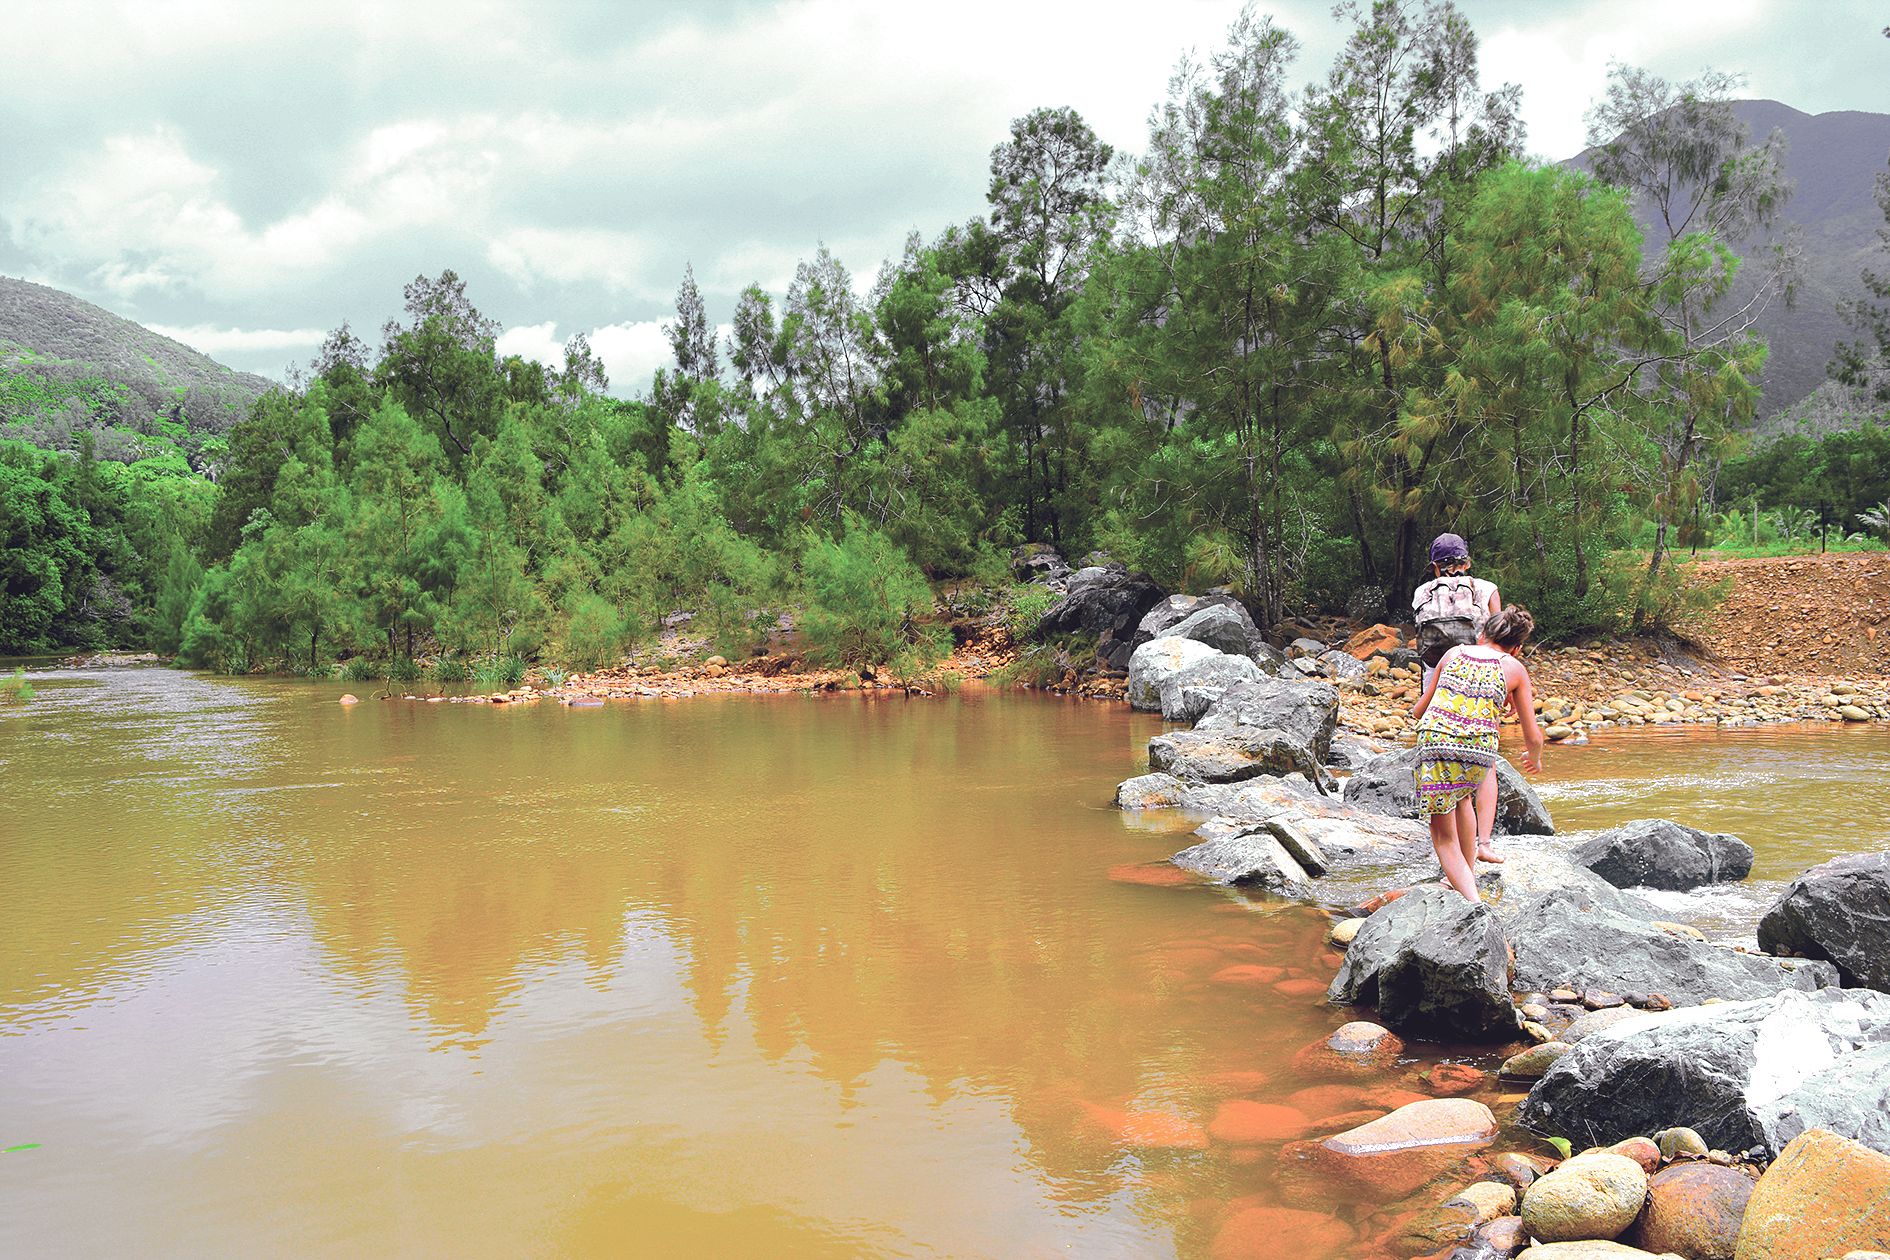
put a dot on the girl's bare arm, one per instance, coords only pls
(1522, 698)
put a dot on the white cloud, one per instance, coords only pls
(620, 261)
(216, 342)
(631, 351)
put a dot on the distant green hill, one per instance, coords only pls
(69, 369)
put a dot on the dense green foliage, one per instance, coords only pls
(1301, 333)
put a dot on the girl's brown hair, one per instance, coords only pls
(1508, 628)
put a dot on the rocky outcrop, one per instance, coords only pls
(1157, 661)
(1037, 562)
(1388, 785)
(1434, 965)
(1838, 911)
(1563, 938)
(1656, 853)
(1250, 857)
(1742, 1074)
(1229, 756)
(1106, 601)
(1308, 711)
(1824, 1196)
(1191, 691)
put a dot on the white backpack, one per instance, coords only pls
(1448, 617)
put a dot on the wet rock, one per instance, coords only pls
(1260, 1233)
(1602, 1000)
(1250, 857)
(1489, 1199)
(1530, 1064)
(1107, 602)
(350, 698)
(1342, 932)
(1388, 785)
(1518, 1169)
(1838, 911)
(1656, 853)
(1150, 791)
(1501, 1238)
(1359, 1049)
(1592, 1196)
(1433, 964)
(1742, 1074)
(1561, 938)
(1823, 1197)
(1694, 1211)
(1160, 1130)
(1231, 756)
(1242, 1122)
(1453, 1078)
(1159, 660)
(1396, 1154)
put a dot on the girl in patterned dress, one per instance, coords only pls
(1460, 715)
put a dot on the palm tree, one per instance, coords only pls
(1877, 520)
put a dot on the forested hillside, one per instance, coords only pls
(1307, 328)
(69, 369)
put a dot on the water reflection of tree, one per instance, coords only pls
(851, 883)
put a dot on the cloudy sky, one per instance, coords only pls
(246, 176)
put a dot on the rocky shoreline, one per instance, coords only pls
(1626, 1027)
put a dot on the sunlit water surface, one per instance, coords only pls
(792, 977)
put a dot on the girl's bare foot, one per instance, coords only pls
(1486, 854)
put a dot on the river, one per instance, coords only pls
(794, 977)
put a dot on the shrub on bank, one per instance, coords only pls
(864, 602)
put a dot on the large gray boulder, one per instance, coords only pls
(1106, 601)
(1434, 965)
(1388, 784)
(1839, 911)
(1564, 938)
(1656, 853)
(1229, 756)
(1308, 711)
(1192, 690)
(1157, 661)
(1532, 870)
(1228, 627)
(1250, 857)
(1161, 619)
(1741, 1074)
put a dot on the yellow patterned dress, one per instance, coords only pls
(1457, 735)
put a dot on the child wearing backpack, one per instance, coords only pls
(1452, 606)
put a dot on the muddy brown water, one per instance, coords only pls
(790, 977)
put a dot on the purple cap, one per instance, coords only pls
(1449, 547)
